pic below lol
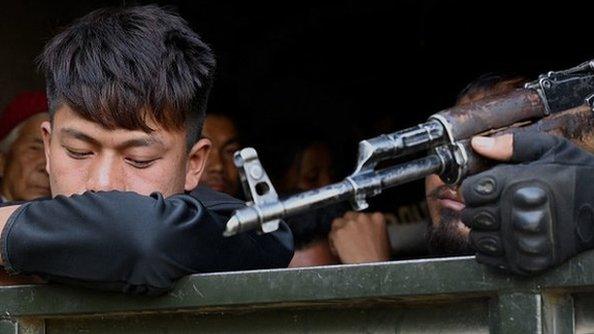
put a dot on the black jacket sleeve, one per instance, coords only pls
(132, 243)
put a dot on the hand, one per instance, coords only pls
(497, 148)
(360, 237)
(5, 213)
(6, 279)
(534, 214)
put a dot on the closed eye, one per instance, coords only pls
(75, 154)
(140, 164)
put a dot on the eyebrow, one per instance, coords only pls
(141, 142)
(79, 135)
(135, 142)
(234, 140)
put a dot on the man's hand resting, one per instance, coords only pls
(360, 237)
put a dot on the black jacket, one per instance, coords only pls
(132, 243)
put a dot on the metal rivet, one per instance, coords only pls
(256, 172)
(546, 84)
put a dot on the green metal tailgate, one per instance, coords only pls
(450, 295)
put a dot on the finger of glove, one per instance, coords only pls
(531, 146)
(503, 263)
(485, 187)
(528, 263)
(481, 218)
(498, 262)
(488, 243)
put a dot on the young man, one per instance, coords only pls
(127, 92)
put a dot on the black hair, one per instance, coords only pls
(490, 81)
(216, 111)
(120, 67)
(286, 145)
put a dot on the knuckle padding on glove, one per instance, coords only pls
(528, 205)
(483, 218)
(584, 211)
(530, 209)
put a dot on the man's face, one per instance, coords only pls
(84, 156)
(221, 173)
(24, 177)
(447, 233)
(311, 169)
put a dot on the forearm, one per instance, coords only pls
(122, 239)
(128, 242)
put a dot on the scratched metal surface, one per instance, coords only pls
(584, 313)
(468, 318)
(444, 295)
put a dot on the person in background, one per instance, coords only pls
(22, 162)
(489, 84)
(446, 235)
(310, 167)
(220, 172)
(310, 232)
(361, 237)
(332, 235)
(303, 166)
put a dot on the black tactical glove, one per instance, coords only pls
(535, 214)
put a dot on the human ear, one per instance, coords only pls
(46, 132)
(196, 163)
(2, 161)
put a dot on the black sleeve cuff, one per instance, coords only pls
(4, 245)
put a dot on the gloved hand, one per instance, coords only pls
(535, 214)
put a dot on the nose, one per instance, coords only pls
(214, 162)
(42, 170)
(39, 161)
(105, 174)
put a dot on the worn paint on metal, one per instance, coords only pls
(493, 112)
(456, 294)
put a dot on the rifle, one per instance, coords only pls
(560, 103)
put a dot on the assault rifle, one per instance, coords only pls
(559, 103)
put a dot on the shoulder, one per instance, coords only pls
(216, 201)
(11, 203)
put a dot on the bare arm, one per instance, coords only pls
(5, 213)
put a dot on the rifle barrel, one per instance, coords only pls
(364, 185)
